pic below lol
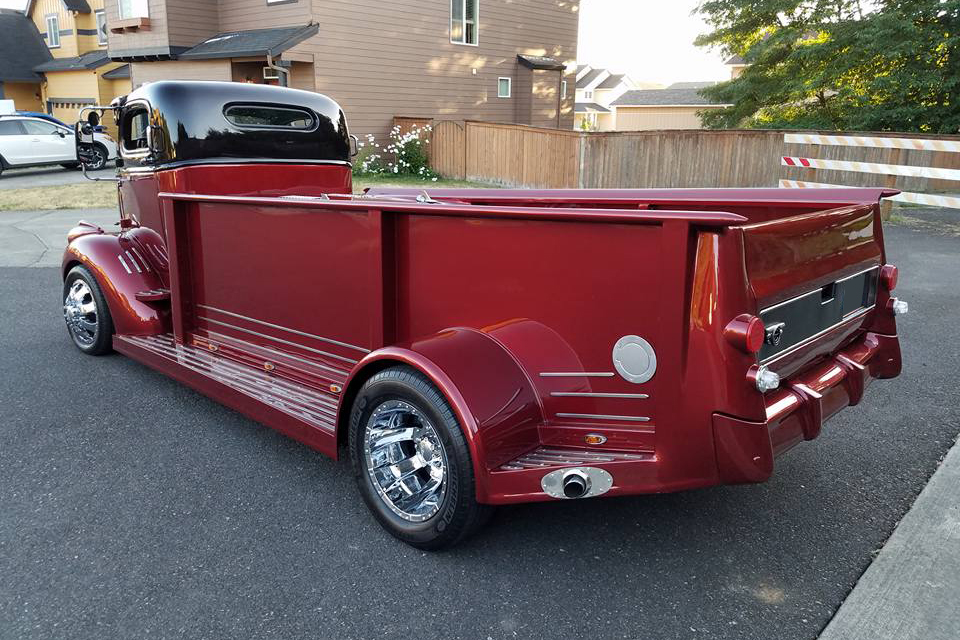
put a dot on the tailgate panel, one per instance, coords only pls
(812, 273)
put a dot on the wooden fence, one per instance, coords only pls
(522, 156)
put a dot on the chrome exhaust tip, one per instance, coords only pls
(576, 482)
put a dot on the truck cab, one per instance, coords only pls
(470, 348)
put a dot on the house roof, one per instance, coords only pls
(89, 60)
(21, 47)
(589, 107)
(80, 6)
(121, 72)
(540, 62)
(612, 81)
(255, 42)
(678, 94)
(736, 60)
(589, 77)
(580, 67)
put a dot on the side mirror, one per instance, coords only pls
(354, 146)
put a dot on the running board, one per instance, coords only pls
(293, 409)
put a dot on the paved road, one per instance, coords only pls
(37, 238)
(47, 176)
(134, 507)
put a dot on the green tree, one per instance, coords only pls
(888, 65)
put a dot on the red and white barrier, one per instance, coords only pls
(878, 168)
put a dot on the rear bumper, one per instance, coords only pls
(798, 409)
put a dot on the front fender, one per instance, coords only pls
(488, 391)
(121, 274)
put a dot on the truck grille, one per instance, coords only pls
(816, 312)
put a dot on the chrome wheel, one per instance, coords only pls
(80, 312)
(405, 460)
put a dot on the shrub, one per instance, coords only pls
(406, 154)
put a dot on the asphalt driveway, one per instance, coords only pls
(48, 176)
(132, 507)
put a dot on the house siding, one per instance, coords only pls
(25, 95)
(141, 72)
(648, 118)
(384, 59)
(381, 60)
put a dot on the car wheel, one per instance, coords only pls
(95, 157)
(86, 313)
(411, 461)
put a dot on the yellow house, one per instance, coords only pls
(80, 73)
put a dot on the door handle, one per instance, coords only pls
(35, 140)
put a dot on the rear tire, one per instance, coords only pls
(86, 313)
(402, 408)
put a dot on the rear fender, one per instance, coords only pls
(486, 388)
(121, 273)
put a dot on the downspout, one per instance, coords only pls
(284, 77)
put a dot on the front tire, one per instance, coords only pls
(411, 461)
(95, 157)
(86, 313)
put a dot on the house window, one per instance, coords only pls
(53, 32)
(588, 95)
(563, 89)
(133, 9)
(463, 21)
(503, 87)
(101, 26)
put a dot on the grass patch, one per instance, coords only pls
(103, 195)
(93, 195)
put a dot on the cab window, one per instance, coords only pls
(133, 129)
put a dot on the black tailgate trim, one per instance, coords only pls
(816, 312)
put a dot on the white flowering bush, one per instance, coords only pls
(405, 154)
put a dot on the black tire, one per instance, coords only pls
(95, 157)
(459, 514)
(101, 341)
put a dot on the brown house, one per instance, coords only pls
(498, 60)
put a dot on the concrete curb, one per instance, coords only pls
(912, 589)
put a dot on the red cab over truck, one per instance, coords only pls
(471, 348)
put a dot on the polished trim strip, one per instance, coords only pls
(277, 326)
(600, 416)
(585, 394)
(815, 291)
(584, 374)
(853, 315)
(123, 262)
(340, 372)
(280, 340)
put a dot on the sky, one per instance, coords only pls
(650, 40)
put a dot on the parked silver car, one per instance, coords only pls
(27, 141)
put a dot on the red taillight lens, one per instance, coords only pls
(889, 275)
(746, 332)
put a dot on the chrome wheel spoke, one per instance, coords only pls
(405, 460)
(80, 313)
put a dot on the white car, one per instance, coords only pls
(27, 141)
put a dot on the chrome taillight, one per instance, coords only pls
(899, 307)
(765, 379)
